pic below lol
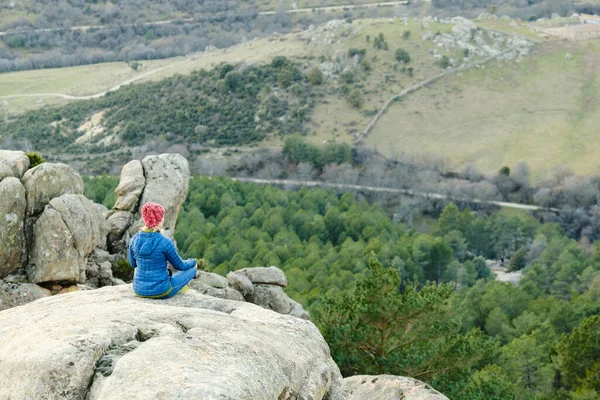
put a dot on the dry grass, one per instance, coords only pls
(543, 111)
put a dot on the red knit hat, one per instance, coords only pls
(152, 214)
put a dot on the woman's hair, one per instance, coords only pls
(152, 214)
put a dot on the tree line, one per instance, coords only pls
(445, 319)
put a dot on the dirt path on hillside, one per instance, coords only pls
(421, 85)
(406, 192)
(97, 95)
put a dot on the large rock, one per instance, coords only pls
(131, 186)
(47, 181)
(210, 279)
(269, 276)
(13, 294)
(85, 219)
(13, 164)
(54, 256)
(108, 344)
(167, 183)
(68, 231)
(271, 297)
(240, 283)
(222, 293)
(388, 387)
(118, 222)
(12, 217)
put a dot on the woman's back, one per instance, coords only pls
(151, 274)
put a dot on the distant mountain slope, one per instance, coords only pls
(536, 105)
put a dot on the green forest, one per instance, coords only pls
(393, 300)
(228, 105)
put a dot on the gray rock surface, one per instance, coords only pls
(222, 293)
(68, 231)
(47, 181)
(13, 294)
(131, 186)
(270, 276)
(241, 283)
(270, 297)
(118, 222)
(54, 257)
(210, 279)
(167, 183)
(12, 218)
(388, 387)
(85, 219)
(13, 164)
(108, 344)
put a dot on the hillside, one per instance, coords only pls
(502, 113)
(353, 56)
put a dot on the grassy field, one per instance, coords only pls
(92, 79)
(543, 111)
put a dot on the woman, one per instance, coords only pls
(149, 252)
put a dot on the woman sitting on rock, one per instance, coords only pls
(149, 252)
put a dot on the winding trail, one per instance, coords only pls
(97, 95)
(406, 192)
(359, 138)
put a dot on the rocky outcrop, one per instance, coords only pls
(67, 232)
(109, 344)
(47, 181)
(13, 164)
(130, 186)
(12, 219)
(387, 387)
(15, 293)
(145, 181)
(261, 286)
(50, 230)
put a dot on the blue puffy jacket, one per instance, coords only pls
(148, 254)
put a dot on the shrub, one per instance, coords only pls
(402, 56)
(380, 43)
(406, 35)
(347, 77)
(444, 62)
(354, 51)
(121, 269)
(366, 65)
(315, 76)
(35, 159)
(356, 98)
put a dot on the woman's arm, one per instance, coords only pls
(174, 258)
(130, 255)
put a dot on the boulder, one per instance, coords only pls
(271, 297)
(388, 387)
(118, 222)
(13, 164)
(85, 219)
(269, 276)
(47, 181)
(222, 293)
(54, 256)
(241, 283)
(109, 344)
(297, 310)
(13, 294)
(98, 270)
(131, 186)
(12, 217)
(210, 279)
(167, 183)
